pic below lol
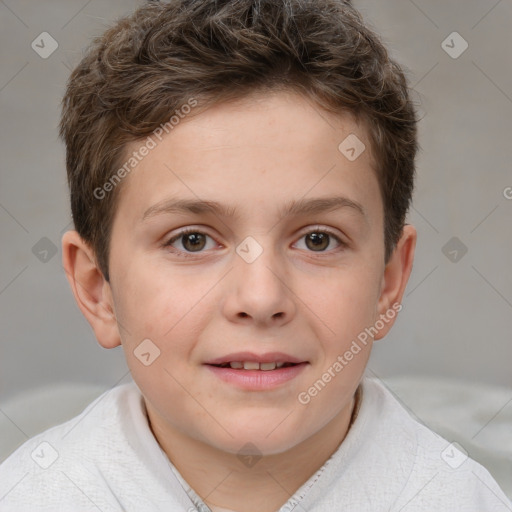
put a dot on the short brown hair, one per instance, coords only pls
(149, 64)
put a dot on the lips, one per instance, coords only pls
(254, 365)
(248, 378)
(252, 361)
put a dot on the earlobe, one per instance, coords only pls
(90, 289)
(396, 276)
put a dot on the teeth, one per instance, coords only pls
(249, 365)
(252, 365)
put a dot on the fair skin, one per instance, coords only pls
(311, 301)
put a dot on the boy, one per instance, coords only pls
(240, 172)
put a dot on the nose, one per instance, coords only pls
(260, 292)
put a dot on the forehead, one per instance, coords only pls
(253, 152)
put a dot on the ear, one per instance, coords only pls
(395, 278)
(91, 290)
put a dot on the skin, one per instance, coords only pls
(255, 155)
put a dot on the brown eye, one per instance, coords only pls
(317, 241)
(320, 240)
(193, 241)
(189, 241)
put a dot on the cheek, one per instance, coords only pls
(163, 308)
(346, 300)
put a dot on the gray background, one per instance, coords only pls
(456, 320)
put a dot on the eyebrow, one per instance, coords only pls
(294, 207)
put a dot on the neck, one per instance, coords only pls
(223, 482)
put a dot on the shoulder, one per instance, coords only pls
(440, 473)
(53, 464)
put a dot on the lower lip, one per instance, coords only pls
(257, 380)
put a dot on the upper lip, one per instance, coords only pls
(269, 357)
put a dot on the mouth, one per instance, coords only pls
(252, 361)
(254, 365)
(254, 372)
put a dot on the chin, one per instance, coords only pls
(256, 441)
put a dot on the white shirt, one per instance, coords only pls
(107, 459)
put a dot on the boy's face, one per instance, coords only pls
(204, 297)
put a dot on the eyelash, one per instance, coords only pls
(185, 254)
